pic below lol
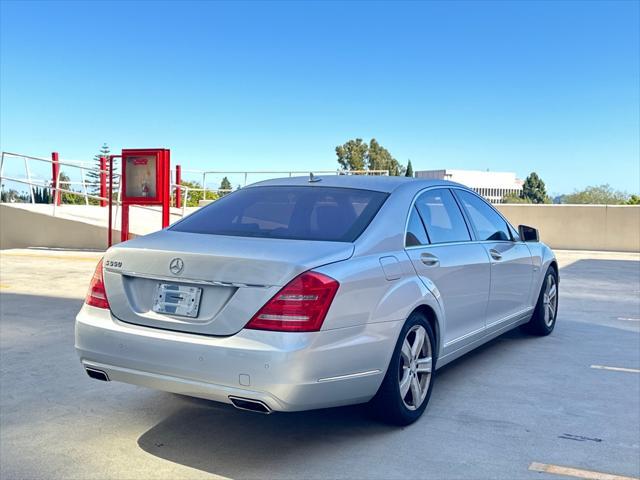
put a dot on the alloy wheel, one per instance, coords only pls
(414, 375)
(550, 300)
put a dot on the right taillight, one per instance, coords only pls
(300, 306)
(97, 296)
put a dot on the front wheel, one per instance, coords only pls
(544, 316)
(407, 385)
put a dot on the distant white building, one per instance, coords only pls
(491, 185)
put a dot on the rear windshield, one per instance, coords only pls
(300, 213)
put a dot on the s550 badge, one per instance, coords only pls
(113, 264)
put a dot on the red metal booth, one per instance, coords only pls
(146, 179)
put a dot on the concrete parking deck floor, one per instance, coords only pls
(513, 402)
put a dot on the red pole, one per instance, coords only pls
(124, 228)
(110, 200)
(124, 207)
(166, 197)
(103, 180)
(110, 241)
(55, 170)
(178, 189)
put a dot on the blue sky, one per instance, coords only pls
(516, 86)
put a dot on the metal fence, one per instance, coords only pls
(77, 184)
(57, 187)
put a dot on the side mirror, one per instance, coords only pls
(528, 234)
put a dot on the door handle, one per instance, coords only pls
(429, 260)
(495, 254)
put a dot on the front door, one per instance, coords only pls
(511, 264)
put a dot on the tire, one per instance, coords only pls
(543, 320)
(389, 405)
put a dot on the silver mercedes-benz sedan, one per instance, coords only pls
(303, 293)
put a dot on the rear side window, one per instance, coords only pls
(442, 217)
(416, 234)
(486, 221)
(299, 213)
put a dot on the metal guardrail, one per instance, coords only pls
(60, 187)
(275, 173)
(32, 183)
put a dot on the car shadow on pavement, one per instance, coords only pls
(219, 439)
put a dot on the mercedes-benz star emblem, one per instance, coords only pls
(176, 266)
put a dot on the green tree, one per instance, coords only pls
(69, 198)
(357, 155)
(379, 158)
(225, 187)
(409, 172)
(13, 196)
(634, 200)
(193, 197)
(353, 154)
(46, 196)
(597, 195)
(41, 195)
(92, 177)
(534, 189)
(515, 198)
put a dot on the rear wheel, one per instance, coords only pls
(544, 316)
(407, 385)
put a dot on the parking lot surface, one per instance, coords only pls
(568, 400)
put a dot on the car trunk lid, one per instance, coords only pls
(236, 276)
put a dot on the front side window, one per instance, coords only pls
(442, 217)
(486, 221)
(297, 212)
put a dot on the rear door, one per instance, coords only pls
(511, 264)
(440, 247)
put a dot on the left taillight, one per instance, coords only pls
(97, 295)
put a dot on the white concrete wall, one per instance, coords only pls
(581, 227)
(572, 227)
(20, 228)
(74, 226)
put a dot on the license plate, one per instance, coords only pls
(180, 300)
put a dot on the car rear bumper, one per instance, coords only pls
(286, 371)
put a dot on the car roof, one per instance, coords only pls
(381, 183)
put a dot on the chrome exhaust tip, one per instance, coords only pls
(97, 374)
(249, 404)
